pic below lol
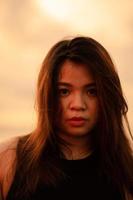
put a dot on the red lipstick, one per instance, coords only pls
(76, 121)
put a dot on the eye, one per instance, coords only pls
(63, 92)
(92, 91)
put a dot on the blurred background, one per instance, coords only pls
(28, 29)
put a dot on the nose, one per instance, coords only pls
(78, 103)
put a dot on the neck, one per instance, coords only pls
(77, 155)
(77, 148)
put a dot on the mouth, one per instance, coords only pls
(76, 121)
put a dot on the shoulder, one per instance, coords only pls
(7, 158)
(7, 152)
(8, 144)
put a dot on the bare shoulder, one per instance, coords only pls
(7, 158)
(7, 153)
(7, 150)
(9, 144)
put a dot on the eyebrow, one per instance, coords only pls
(93, 84)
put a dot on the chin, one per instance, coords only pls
(77, 132)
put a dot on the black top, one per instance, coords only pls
(83, 181)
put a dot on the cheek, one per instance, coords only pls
(95, 108)
(62, 106)
(60, 111)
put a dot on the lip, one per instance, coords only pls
(76, 121)
(77, 118)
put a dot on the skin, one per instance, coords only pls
(77, 98)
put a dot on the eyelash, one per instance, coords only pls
(90, 91)
(61, 90)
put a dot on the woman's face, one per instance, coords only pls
(78, 102)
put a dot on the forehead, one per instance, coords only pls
(75, 72)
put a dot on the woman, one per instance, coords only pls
(79, 147)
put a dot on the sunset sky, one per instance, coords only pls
(28, 29)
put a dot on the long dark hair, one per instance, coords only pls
(38, 152)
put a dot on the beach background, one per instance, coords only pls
(28, 29)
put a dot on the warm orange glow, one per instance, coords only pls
(58, 9)
(29, 28)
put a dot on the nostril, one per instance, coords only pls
(78, 107)
(78, 102)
